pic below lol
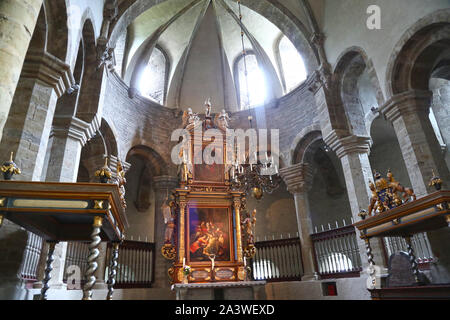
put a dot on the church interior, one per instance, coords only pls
(224, 149)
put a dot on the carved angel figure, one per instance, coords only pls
(222, 120)
(249, 225)
(121, 181)
(168, 211)
(190, 119)
(208, 107)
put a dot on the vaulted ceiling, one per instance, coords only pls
(202, 39)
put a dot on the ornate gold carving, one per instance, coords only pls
(171, 273)
(2, 202)
(436, 182)
(98, 204)
(241, 273)
(384, 194)
(9, 168)
(98, 222)
(169, 251)
(104, 173)
(1, 219)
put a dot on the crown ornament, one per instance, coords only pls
(387, 193)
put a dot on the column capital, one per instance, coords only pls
(345, 145)
(74, 128)
(165, 182)
(406, 103)
(50, 70)
(298, 177)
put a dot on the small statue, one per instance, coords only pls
(249, 225)
(169, 220)
(190, 119)
(222, 119)
(208, 108)
(121, 181)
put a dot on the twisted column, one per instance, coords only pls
(112, 270)
(92, 259)
(48, 269)
(412, 258)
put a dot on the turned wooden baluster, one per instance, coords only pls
(48, 269)
(112, 270)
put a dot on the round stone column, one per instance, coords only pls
(17, 22)
(163, 186)
(298, 179)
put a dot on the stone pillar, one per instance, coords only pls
(67, 138)
(163, 186)
(353, 151)
(408, 112)
(298, 179)
(43, 80)
(17, 22)
(422, 153)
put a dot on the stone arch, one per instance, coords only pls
(326, 189)
(151, 165)
(356, 89)
(110, 138)
(296, 150)
(58, 32)
(91, 84)
(418, 53)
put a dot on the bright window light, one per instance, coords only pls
(153, 77)
(256, 83)
(292, 63)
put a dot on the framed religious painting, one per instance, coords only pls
(210, 234)
(209, 173)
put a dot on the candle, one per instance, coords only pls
(245, 262)
(212, 264)
(184, 262)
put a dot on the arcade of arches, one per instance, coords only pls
(85, 80)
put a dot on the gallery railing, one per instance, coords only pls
(337, 253)
(277, 260)
(31, 256)
(135, 263)
(420, 244)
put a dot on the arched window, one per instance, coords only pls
(255, 92)
(292, 67)
(153, 83)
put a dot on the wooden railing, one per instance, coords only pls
(278, 260)
(31, 256)
(337, 253)
(136, 264)
(420, 244)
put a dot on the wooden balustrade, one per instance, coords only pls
(420, 244)
(278, 260)
(135, 267)
(31, 256)
(337, 253)
(136, 264)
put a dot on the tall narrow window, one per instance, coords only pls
(255, 92)
(153, 79)
(293, 67)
